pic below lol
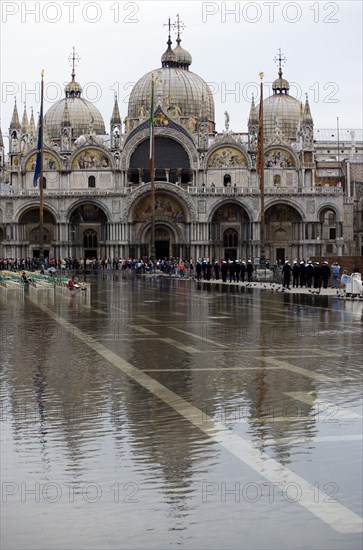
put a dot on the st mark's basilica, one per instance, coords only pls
(97, 179)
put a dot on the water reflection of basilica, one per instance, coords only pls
(97, 185)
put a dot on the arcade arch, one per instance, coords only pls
(231, 232)
(28, 232)
(284, 230)
(88, 231)
(172, 229)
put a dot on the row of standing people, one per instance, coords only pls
(233, 271)
(310, 275)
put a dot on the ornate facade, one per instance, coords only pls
(97, 185)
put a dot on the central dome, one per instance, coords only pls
(180, 92)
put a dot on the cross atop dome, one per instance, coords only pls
(73, 89)
(73, 59)
(179, 27)
(183, 57)
(168, 24)
(281, 60)
(168, 58)
(280, 85)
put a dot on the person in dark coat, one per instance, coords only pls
(238, 270)
(302, 273)
(216, 271)
(198, 269)
(232, 271)
(208, 271)
(317, 275)
(309, 273)
(325, 274)
(249, 270)
(224, 271)
(204, 268)
(243, 271)
(295, 274)
(286, 272)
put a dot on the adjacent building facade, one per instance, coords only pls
(97, 184)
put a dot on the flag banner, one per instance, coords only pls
(38, 165)
(151, 155)
(259, 160)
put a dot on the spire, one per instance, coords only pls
(15, 119)
(183, 57)
(116, 118)
(308, 119)
(66, 121)
(32, 124)
(168, 59)
(73, 58)
(24, 122)
(280, 85)
(253, 118)
(73, 88)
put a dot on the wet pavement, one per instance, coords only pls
(158, 413)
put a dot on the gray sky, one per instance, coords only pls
(231, 42)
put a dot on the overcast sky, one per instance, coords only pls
(231, 42)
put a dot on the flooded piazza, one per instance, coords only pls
(158, 413)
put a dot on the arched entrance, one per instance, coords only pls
(164, 242)
(88, 231)
(231, 232)
(171, 228)
(28, 231)
(329, 231)
(284, 231)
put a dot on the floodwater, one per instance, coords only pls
(161, 413)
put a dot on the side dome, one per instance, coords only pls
(281, 111)
(73, 111)
(284, 112)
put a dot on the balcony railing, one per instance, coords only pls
(192, 190)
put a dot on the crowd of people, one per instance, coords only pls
(299, 273)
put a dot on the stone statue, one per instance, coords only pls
(307, 137)
(203, 141)
(14, 141)
(117, 161)
(116, 136)
(226, 120)
(65, 140)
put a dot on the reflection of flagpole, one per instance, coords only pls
(261, 175)
(152, 175)
(41, 151)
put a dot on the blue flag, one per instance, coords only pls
(39, 147)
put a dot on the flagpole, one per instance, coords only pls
(152, 175)
(41, 200)
(261, 169)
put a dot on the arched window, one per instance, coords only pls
(230, 238)
(90, 238)
(227, 181)
(91, 181)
